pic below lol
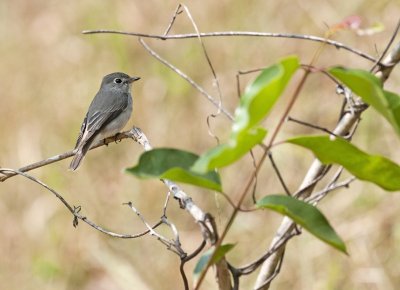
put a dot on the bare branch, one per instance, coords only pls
(379, 61)
(186, 202)
(336, 44)
(177, 12)
(278, 173)
(65, 155)
(172, 245)
(216, 82)
(166, 204)
(205, 54)
(318, 196)
(187, 78)
(188, 258)
(311, 126)
(205, 221)
(251, 267)
(76, 210)
(255, 179)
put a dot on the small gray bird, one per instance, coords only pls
(108, 113)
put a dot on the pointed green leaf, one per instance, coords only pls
(203, 261)
(306, 215)
(228, 153)
(370, 89)
(255, 104)
(173, 164)
(377, 169)
(260, 96)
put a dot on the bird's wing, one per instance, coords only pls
(83, 127)
(95, 120)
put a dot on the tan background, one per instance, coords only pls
(49, 73)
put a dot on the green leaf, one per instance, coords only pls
(370, 89)
(203, 261)
(306, 215)
(377, 169)
(174, 164)
(260, 96)
(255, 104)
(228, 153)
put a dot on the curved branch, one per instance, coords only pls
(187, 78)
(186, 202)
(75, 210)
(336, 44)
(188, 258)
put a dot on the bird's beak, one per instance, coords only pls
(132, 79)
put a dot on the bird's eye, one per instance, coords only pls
(117, 81)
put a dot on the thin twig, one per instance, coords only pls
(251, 267)
(233, 205)
(166, 204)
(250, 71)
(306, 187)
(216, 82)
(238, 90)
(205, 55)
(336, 176)
(388, 45)
(311, 126)
(176, 239)
(278, 173)
(65, 155)
(189, 15)
(336, 44)
(205, 221)
(320, 70)
(188, 258)
(138, 136)
(316, 197)
(75, 210)
(170, 244)
(255, 180)
(187, 78)
(177, 12)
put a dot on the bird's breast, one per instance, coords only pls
(117, 124)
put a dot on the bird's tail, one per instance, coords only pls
(80, 154)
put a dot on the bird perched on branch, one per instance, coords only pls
(108, 113)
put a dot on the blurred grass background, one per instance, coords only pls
(50, 72)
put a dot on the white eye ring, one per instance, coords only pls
(117, 81)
